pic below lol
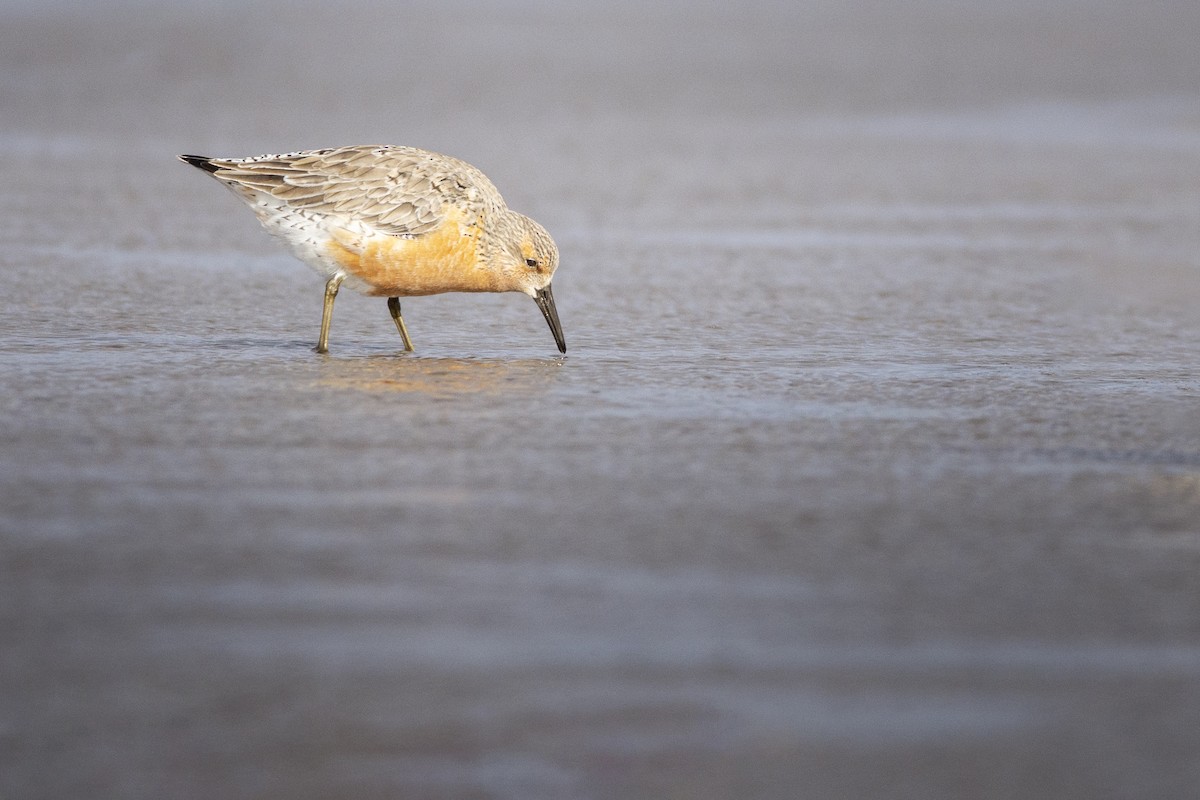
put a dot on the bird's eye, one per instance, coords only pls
(531, 262)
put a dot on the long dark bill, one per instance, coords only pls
(545, 301)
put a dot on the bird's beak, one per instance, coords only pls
(545, 301)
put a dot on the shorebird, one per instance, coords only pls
(394, 222)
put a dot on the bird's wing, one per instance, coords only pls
(398, 191)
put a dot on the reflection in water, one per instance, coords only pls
(1177, 488)
(1168, 506)
(443, 377)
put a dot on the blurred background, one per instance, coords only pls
(873, 469)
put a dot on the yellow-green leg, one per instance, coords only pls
(394, 308)
(331, 290)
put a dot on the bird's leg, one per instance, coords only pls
(394, 308)
(331, 290)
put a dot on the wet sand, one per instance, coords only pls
(873, 469)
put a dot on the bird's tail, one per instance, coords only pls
(200, 162)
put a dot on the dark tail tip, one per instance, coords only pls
(200, 162)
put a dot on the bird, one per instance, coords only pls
(394, 221)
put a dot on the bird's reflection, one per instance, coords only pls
(443, 377)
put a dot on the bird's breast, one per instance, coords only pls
(443, 260)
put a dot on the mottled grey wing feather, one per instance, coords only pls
(399, 191)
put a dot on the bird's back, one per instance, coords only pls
(397, 220)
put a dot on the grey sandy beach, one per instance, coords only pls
(872, 471)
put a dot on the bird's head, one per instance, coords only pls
(531, 257)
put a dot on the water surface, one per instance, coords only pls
(873, 469)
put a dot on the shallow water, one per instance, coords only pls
(873, 468)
